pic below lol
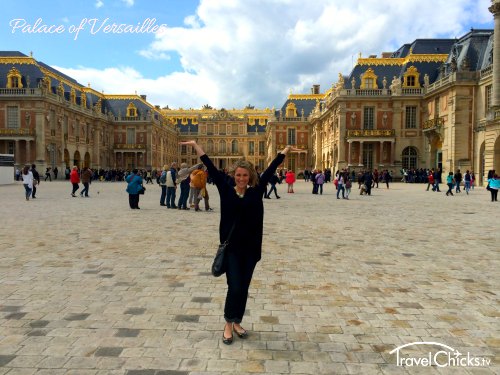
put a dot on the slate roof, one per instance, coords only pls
(473, 49)
(32, 71)
(419, 46)
(301, 104)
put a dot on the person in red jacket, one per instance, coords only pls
(290, 180)
(74, 178)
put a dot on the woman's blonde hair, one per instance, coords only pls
(249, 167)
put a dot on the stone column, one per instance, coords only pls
(495, 10)
(380, 152)
(349, 153)
(40, 137)
(360, 161)
(28, 151)
(17, 159)
(392, 152)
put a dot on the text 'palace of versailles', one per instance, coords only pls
(433, 103)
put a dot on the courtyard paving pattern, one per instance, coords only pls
(90, 287)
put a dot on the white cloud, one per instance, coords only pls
(99, 4)
(128, 3)
(236, 52)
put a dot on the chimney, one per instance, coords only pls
(315, 89)
(386, 55)
(143, 97)
(495, 10)
(372, 56)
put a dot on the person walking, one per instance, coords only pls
(458, 180)
(47, 174)
(171, 185)
(184, 180)
(273, 181)
(467, 181)
(430, 180)
(162, 181)
(27, 177)
(86, 178)
(450, 181)
(340, 185)
(290, 180)
(56, 171)
(320, 180)
(74, 178)
(348, 185)
(494, 185)
(242, 215)
(134, 186)
(36, 180)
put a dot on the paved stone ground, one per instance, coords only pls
(90, 287)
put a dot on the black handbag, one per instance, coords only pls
(218, 266)
(143, 189)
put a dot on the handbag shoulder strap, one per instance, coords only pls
(230, 233)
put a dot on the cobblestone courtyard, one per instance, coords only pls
(88, 286)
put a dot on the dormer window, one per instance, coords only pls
(132, 110)
(14, 79)
(291, 110)
(411, 78)
(369, 80)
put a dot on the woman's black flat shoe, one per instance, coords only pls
(227, 340)
(241, 335)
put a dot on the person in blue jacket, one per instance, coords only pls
(134, 186)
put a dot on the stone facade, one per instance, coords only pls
(430, 104)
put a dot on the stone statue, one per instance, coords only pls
(426, 80)
(453, 64)
(384, 83)
(384, 119)
(340, 83)
(353, 83)
(353, 119)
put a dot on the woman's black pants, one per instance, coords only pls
(239, 271)
(133, 200)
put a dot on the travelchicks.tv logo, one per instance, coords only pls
(446, 356)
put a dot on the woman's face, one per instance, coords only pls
(241, 177)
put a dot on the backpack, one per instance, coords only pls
(163, 178)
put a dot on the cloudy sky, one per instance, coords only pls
(226, 53)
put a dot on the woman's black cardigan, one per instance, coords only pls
(246, 212)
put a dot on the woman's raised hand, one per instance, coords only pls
(289, 148)
(188, 143)
(198, 149)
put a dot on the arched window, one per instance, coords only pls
(291, 110)
(131, 110)
(369, 80)
(222, 147)
(411, 78)
(210, 146)
(410, 157)
(234, 146)
(14, 79)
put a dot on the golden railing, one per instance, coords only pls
(433, 123)
(371, 133)
(14, 132)
(131, 146)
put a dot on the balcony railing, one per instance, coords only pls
(291, 119)
(20, 92)
(16, 132)
(131, 146)
(433, 123)
(371, 133)
(486, 71)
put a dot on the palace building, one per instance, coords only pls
(433, 103)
